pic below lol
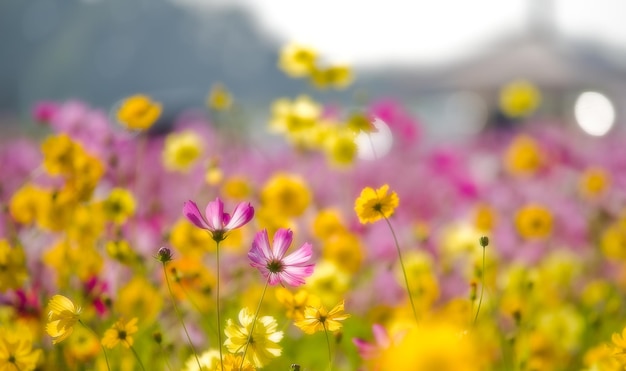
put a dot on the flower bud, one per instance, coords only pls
(164, 255)
(484, 241)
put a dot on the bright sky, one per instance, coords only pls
(416, 31)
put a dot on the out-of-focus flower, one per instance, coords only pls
(209, 361)
(44, 111)
(327, 223)
(613, 240)
(286, 194)
(373, 205)
(619, 340)
(13, 272)
(340, 148)
(26, 202)
(296, 303)
(237, 187)
(82, 347)
(439, 346)
(359, 122)
(336, 76)
(320, 319)
(484, 217)
(121, 331)
(138, 112)
(293, 117)
(345, 250)
(215, 220)
(297, 60)
(181, 150)
(271, 261)
(263, 344)
(16, 350)
(519, 98)
(232, 362)
(382, 340)
(119, 205)
(534, 222)
(594, 182)
(329, 282)
(59, 153)
(214, 173)
(523, 156)
(193, 281)
(219, 98)
(62, 316)
(601, 358)
(189, 240)
(139, 298)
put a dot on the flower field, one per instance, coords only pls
(202, 248)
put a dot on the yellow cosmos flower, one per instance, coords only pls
(58, 154)
(327, 223)
(208, 360)
(121, 331)
(219, 98)
(594, 182)
(16, 350)
(295, 304)
(519, 98)
(238, 188)
(263, 344)
(232, 362)
(192, 281)
(119, 205)
(189, 239)
(534, 222)
(82, 347)
(62, 316)
(433, 346)
(373, 205)
(340, 148)
(138, 112)
(13, 272)
(484, 218)
(181, 150)
(345, 250)
(337, 76)
(613, 240)
(287, 194)
(139, 298)
(26, 203)
(523, 156)
(320, 319)
(297, 60)
(291, 117)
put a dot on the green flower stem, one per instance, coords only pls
(180, 317)
(406, 280)
(330, 356)
(482, 287)
(217, 296)
(106, 358)
(167, 361)
(136, 355)
(256, 315)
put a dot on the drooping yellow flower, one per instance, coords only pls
(263, 344)
(119, 205)
(359, 122)
(181, 150)
(295, 304)
(594, 182)
(138, 112)
(523, 156)
(219, 98)
(534, 222)
(433, 346)
(62, 316)
(16, 350)
(320, 319)
(121, 331)
(519, 98)
(287, 194)
(373, 205)
(297, 60)
(13, 272)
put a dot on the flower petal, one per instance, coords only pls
(192, 213)
(243, 213)
(215, 214)
(282, 241)
(300, 256)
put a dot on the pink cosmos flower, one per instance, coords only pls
(215, 220)
(272, 262)
(382, 341)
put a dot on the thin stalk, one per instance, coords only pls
(482, 287)
(180, 317)
(406, 280)
(106, 358)
(136, 355)
(256, 315)
(330, 357)
(217, 295)
(167, 361)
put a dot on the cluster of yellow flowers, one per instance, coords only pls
(302, 61)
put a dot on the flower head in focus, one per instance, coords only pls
(263, 344)
(215, 220)
(320, 319)
(373, 205)
(138, 112)
(271, 261)
(62, 316)
(121, 331)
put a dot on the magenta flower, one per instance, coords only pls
(272, 262)
(217, 221)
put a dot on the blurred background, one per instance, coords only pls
(447, 60)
